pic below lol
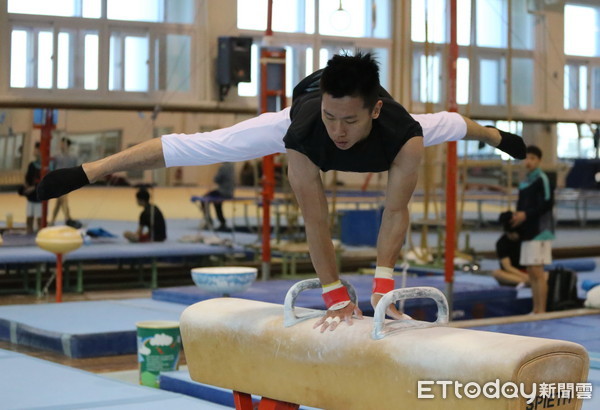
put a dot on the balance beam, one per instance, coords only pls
(243, 345)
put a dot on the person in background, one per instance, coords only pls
(535, 222)
(32, 178)
(508, 251)
(225, 180)
(63, 160)
(152, 226)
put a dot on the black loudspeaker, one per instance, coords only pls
(233, 60)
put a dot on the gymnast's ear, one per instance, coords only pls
(376, 109)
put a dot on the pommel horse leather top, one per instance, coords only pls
(243, 345)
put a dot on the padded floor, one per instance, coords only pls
(578, 329)
(30, 383)
(181, 382)
(83, 329)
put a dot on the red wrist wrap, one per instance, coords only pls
(383, 285)
(336, 296)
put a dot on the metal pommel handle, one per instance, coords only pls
(290, 317)
(380, 330)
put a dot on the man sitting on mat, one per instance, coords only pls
(508, 251)
(340, 119)
(152, 227)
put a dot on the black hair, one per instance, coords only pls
(67, 141)
(532, 149)
(143, 195)
(353, 76)
(37, 144)
(505, 218)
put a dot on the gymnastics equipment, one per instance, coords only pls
(59, 240)
(244, 345)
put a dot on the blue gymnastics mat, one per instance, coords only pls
(31, 383)
(578, 329)
(181, 382)
(471, 300)
(83, 329)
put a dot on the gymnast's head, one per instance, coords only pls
(349, 87)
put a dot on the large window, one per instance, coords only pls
(345, 18)
(575, 91)
(582, 47)
(575, 140)
(343, 27)
(157, 11)
(582, 37)
(484, 66)
(150, 45)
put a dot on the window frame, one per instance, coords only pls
(104, 28)
(301, 41)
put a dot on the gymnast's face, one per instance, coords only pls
(347, 120)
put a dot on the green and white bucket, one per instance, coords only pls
(158, 346)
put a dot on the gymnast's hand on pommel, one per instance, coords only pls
(391, 310)
(333, 317)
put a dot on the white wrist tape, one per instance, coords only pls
(384, 272)
(339, 305)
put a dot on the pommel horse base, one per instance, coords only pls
(243, 345)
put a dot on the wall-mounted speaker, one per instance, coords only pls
(233, 60)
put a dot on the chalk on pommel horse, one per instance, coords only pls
(244, 345)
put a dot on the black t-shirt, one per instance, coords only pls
(307, 133)
(158, 230)
(32, 178)
(511, 249)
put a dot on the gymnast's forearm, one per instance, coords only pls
(394, 224)
(322, 252)
(143, 156)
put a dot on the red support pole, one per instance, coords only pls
(450, 241)
(242, 401)
(59, 277)
(269, 30)
(46, 137)
(270, 404)
(270, 99)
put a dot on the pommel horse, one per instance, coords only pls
(272, 351)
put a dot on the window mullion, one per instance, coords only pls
(34, 57)
(54, 83)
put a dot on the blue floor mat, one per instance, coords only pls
(82, 329)
(578, 329)
(27, 383)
